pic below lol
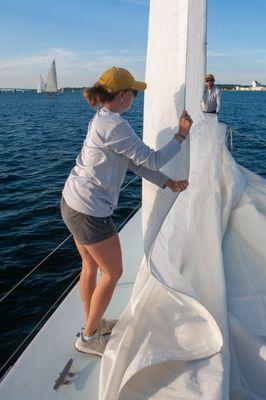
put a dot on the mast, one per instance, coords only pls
(196, 56)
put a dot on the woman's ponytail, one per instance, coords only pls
(97, 95)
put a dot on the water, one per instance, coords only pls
(40, 138)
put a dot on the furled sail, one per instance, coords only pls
(51, 82)
(41, 86)
(195, 325)
(174, 74)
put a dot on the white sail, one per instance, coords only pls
(202, 281)
(51, 82)
(174, 74)
(144, 339)
(41, 86)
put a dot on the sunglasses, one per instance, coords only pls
(209, 80)
(135, 92)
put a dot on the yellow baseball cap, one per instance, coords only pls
(116, 79)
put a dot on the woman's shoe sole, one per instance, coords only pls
(91, 352)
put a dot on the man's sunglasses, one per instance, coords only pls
(209, 80)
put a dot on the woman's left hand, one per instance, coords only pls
(176, 186)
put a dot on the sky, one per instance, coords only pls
(87, 36)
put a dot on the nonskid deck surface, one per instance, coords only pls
(34, 374)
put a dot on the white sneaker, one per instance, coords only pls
(106, 325)
(94, 345)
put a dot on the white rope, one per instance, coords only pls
(127, 218)
(55, 303)
(132, 180)
(49, 255)
(33, 269)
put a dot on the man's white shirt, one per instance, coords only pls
(211, 100)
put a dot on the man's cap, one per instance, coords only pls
(116, 79)
(209, 76)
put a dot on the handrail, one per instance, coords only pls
(49, 255)
(55, 303)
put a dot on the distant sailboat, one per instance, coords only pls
(51, 82)
(41, 86)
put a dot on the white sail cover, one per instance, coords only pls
(51, 82)
(195, 326)
(41, 86)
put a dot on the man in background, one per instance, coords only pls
(210, 102)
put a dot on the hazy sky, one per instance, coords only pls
(87, 36)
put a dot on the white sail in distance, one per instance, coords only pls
(51, 82)
(41, 85)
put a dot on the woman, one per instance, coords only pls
(91, 193)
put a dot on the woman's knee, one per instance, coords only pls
(119, 273)
(113, 275)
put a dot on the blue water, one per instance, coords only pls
(40, 137)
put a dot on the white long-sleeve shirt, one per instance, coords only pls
(211, 100)
(112, 146)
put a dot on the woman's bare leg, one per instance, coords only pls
(88, 276)
(106, 254)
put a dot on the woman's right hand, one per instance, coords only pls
(185, 123)
(176, 186)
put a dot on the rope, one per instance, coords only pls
(49, 255)
(132, 180)
(128, 217)
(59, 298)
(33, 269)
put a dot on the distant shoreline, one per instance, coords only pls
(19, 90)
(223, 87)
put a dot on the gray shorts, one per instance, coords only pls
(87, 229)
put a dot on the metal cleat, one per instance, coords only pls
(63, 375)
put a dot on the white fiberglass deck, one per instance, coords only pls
(34, 374)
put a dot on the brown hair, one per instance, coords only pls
(96, 95)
